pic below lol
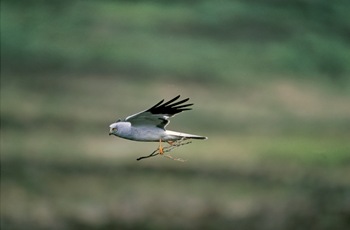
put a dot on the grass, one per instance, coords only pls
(60, 169)
(227, 42)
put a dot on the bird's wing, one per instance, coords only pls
(159, 114)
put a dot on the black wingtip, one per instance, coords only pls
(170, 107)
(158, 104)
(172, 100)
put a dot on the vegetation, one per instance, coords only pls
(270, 83)
(202, 40)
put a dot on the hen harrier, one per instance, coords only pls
(149, 125)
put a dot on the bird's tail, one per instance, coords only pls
(190, 136)
(186, 135)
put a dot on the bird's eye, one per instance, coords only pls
(114, 129)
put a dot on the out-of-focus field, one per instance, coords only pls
(277, 116)
(277, 157)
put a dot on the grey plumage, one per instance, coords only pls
(150, 124)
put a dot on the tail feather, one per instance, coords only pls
(186, 135)
(196, 137)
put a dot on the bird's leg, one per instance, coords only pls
(160, 148)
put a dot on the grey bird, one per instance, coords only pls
(149, 125)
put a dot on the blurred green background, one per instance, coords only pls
(270, 82)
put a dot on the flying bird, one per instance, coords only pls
(150, 125)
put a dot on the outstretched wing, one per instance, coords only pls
(159, 114)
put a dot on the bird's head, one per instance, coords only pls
(118, 128)
(113, 129)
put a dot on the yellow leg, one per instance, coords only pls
(160, 147)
